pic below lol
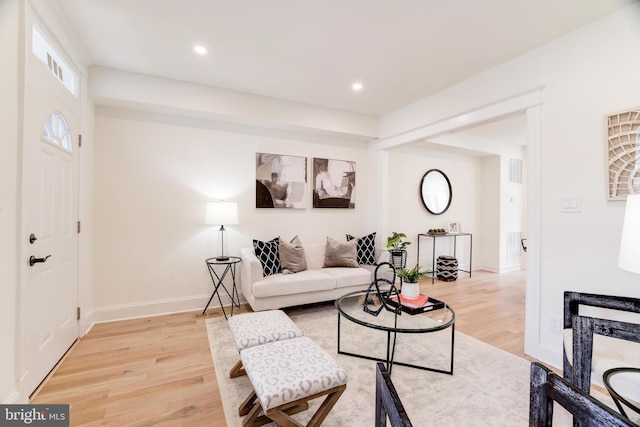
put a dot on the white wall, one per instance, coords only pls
(586, 75)
(407, 214)
(10, 81)
(154, 175)
(488, 248)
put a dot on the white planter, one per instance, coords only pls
(410, 290)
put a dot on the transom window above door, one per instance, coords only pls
(45, 52)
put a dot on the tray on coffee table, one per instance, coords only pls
(432, 304)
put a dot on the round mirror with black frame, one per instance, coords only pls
(435, 191)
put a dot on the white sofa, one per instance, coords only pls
(316, 284)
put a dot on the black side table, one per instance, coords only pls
(229, 266)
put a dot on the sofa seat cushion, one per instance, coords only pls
(346, 276)
(287, 284)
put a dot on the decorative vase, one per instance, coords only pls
(410, 290)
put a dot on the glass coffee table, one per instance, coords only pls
(350, 308)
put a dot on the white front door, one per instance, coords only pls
(49, 287)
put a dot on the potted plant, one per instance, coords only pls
(410, 277)
(397, 246)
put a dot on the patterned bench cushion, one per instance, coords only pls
(262, 327)
(285, 371)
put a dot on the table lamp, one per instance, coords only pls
(629, 258)
(221, 213)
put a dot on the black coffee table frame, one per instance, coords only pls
(392, 335)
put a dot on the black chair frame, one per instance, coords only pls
(388, 404)
(584, 328)
(548, 387)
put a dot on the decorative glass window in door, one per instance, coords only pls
(56, 131)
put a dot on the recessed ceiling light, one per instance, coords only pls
(357, 86)
(201, 50)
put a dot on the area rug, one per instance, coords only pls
(489, 387)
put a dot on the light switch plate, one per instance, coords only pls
(571, 204)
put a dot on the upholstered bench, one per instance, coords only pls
(285, 376)
(252, 329)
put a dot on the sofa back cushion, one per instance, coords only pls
(314, 252)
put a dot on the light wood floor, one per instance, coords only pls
(158, 370)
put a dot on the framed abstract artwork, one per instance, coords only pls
(281, 181)
(623, 150)
(334, 183)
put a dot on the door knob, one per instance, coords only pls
(33, 260)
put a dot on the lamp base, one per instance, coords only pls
(222, 250)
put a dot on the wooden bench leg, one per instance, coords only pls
(327, 406)
(248, 403)
(281, 414)
(256, 418)
(237, 370)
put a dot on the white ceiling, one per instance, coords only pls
(311, 51)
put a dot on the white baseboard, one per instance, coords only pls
(490, 268)
(13, 398)
(511, 268)
(85, 323)
(501, 269)
(146, 309)
(544, 353)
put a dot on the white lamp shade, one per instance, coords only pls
(629, 258)
(221, 213)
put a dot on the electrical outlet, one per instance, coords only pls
(555, 324)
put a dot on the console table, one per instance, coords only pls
(453, 236)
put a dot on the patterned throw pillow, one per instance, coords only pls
(366, 248)
(269, 255)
